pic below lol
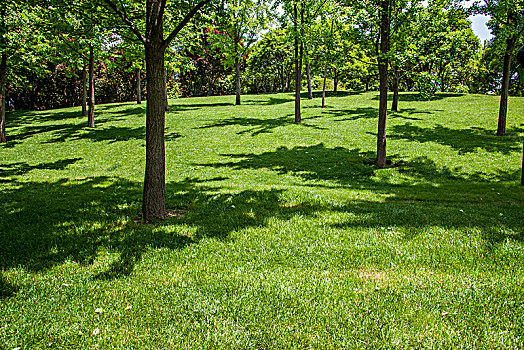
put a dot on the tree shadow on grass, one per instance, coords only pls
(16, 169)
(49, 223)
(269, 101)
(416, 97)
(24, 117)
(257, 126)
(423, 195)
(356, 168)
(6, 289)
(351, 114)
(317, 162)
(462, 140)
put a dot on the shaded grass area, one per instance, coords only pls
(279, 235)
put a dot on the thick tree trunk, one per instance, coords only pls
(503, 109)
(237, 68)
(166, 101)
(383, 74)
(138, 86)
(91, 100)
(324, 87)
(308, 73)
(3, 73)
(154, 203)
(335, 80)
(84, 91)
(298, 69)
(394, 104)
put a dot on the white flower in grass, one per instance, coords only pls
(96, 331)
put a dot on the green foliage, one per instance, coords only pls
(281, 235)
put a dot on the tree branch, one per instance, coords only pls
(181, 25)
(126, 20)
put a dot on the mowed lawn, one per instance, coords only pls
(280, 235)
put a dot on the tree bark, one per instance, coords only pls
(394, 104)
(3, 73)
(335, 80)
(383, 74)
(237, 68)
(91, 100)
(138, 87)
(324, 87)
(154, 204)
(166, 101)
(522, 172)
(84, 91)
(308, 73)
(298, 69)
(506, 75)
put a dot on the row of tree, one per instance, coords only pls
(58, 47)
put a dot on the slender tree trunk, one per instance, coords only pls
(308, 73)
(503, 110)
(209, 86)
(237, 68)
(394, 105)
(324, 87)
(441, 75)
(91, 100)
(298, 73)
(166, 101)
(383, 74)
(84, 91)
(154, 204)
(138, 86)
(335, 80)
(522, 172)
(3, 73)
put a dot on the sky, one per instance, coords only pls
(478, 24)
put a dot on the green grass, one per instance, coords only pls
(281, 235)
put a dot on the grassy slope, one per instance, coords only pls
(282, 235)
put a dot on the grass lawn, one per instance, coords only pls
(281, 235)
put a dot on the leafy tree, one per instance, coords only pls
(507, 25)
(75, 30)
(155, 44)
(270, 63)
(239, 25)
(18, 43)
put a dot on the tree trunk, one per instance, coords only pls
(506, 75)
(166, 101)
(138, 87)
(394, 104)
(522, 172)
(154, 203)
(84, 91)
(91, 100)
(209, 86)
(383, 74)
(324, 87)
(237, 68)
(298, 69)
(3, 73)
(335, 80)
(308, 73)
(441, 75)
